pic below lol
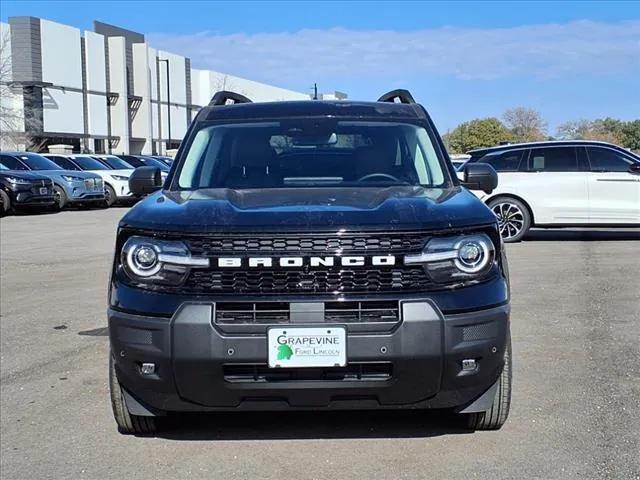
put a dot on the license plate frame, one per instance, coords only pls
(307, 346)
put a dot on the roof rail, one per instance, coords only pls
(401, 94)
(223, 96)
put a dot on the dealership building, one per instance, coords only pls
(103, 91)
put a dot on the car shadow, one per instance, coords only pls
(310, 425)
(593, 235)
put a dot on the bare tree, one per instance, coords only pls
(11, 116)
(16, 122)
(525, 124)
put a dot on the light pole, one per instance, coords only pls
(168, 103)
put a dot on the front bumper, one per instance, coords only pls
(85, 192)
(199, 367)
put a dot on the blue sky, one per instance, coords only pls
(569, 60)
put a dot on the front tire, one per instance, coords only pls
(127, 423)
(5, 204)
(60, 197)
(496, 416)
(109, 195)
(513, 217)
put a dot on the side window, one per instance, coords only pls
(553, 159)
(504, 162)
(12, 163)
(605, 160)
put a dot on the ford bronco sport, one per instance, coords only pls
(310, 255)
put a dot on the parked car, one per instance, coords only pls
(144, 161)
(458, 160)
(561, 184)
(116, 182)
(166, 160)
(70, 187)
(310, 255)
(21, 189)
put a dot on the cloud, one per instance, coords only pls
(534, 51)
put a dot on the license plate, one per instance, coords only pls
(43, 190)
(307, 347)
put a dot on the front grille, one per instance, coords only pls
(245, 280)
(353, 372)
(293, 280)
(237, 313)
(308, 243)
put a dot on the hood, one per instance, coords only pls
(105, 173)
(72, 173)
(309, 209)
(23, 174)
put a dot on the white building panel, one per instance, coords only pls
(179, 122)
(141, 122)
(153, 72)
(118, 84)
(97, 112)
(61, 54)
(177, 78)
(62, 111)
(95, 62)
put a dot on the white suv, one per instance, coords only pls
(559, 184)
(116, 182)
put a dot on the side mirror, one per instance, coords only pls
(480, 176)
(145, 180)
(634, 168)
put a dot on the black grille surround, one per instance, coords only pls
(307, 280)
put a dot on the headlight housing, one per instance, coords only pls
(456, 259)
(122, 178)
(18, 181)
(152, 261)
(71, 178)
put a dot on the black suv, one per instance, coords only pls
(310, 255)
(20, 189)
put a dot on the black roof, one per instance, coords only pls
(313, 108)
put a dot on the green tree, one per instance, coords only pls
(525, 124)
(478, 133)
(631, 135)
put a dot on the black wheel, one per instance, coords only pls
(127, 423)
(513, 216)
(494, 418)
(109, 195)
(5, 204)
(60, 197)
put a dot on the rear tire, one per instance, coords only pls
(60, 197)
(496, 416)
(513, 217)
(127, 423)
(5, 204)
(109, 195)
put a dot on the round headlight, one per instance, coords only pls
(143, 260)
(473, 255)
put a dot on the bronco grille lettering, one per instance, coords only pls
(288, 262)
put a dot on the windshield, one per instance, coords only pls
(38, 162)
(116, 163)
(311, 152)
(88, 163)
(152, 162)
(63, 162)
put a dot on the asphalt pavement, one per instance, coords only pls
(576, 397)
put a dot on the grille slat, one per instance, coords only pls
(265, 313)
(310, 243)
(332, 280)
